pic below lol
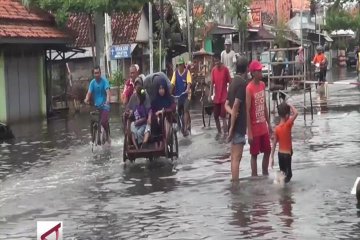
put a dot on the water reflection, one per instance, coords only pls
(286, 201)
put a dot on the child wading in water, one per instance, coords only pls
(283, 136)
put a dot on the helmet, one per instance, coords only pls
(319, 48)
(180, 61)
(255, 66)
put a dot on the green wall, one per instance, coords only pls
(3, 115)
(42, 88)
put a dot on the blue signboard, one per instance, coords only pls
(120, 51)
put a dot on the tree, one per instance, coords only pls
(338, 18)
(63, 8)
(202, 13)
(240, 11)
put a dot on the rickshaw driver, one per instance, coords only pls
(181, 83)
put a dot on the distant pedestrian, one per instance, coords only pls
(282, 136)
(259, 127)
(228, 57)
(130, 84)
(220, 78)
(236, 106)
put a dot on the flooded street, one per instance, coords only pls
(49, 173)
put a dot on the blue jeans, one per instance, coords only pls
(238, 139)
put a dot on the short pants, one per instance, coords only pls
(238, 139)
(139, 131)
(285, 165)
(260, 144)
(219, 110)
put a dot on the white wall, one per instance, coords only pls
(143, 31)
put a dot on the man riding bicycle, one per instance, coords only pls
(99, 91)
(320, 61)
(181, 83)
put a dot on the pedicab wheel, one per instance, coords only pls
(125, 148)
(175, 141)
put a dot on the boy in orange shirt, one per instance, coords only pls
(282, 135)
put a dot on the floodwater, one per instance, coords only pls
(49, 173)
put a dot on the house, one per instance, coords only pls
(130, 40)
(25, 35)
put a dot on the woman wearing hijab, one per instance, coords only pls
(162, 103)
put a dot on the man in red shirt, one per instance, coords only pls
(258, 124)
(129, 84)
(220, 78)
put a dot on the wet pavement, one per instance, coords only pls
(49, 173)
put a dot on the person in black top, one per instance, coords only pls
(235, 105)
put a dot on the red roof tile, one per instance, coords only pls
(78, 24)
(167, 9)
(18, 22)
(124, 28)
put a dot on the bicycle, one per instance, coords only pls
(180, 115)
(98, 134)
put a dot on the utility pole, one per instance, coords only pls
(188, 27)
(151, 46)
(319, 27)
(162, 61)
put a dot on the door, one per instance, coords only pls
(22, 84)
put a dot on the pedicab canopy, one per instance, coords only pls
(152, 81)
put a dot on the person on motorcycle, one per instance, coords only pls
(181, 83)
(99, 91)
(320, 63)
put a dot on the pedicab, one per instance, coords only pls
(160, 144)
(202, 81)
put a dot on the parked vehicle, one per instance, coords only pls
(350, 59)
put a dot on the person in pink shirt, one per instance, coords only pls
(220, 78)
(129, 84)
(258, 124)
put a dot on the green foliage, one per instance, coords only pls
(212, 8)
(157, 54)
(338, 18)
(117, 79)
(240, 11)
(62, 8)
(281, 30)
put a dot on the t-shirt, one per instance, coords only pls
(237, 90)
(135, 101)
(229, 60)
(257, 108)
(128, 89)
(98, 92)
(220, 77)
(181, 81)
(321, 59)
(283, 135)
(140, 112)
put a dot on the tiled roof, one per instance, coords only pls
(167, 9)
(268, 9)
(124, 28)
(18, 22)
(296, 5)
(78, 24)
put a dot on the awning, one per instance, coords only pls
(223, 30)
(65, 53)
(314, 37)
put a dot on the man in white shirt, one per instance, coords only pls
(228, 57)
